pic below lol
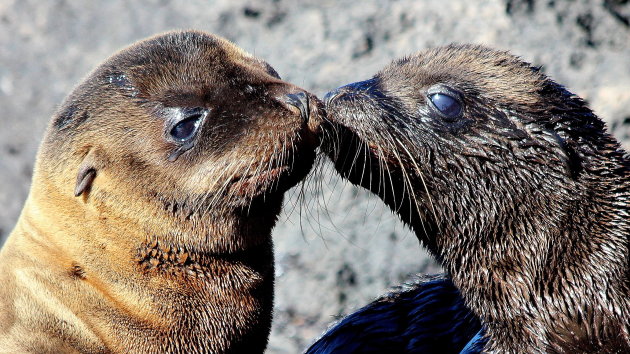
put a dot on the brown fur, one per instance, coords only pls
(163, 249)
(523, 198)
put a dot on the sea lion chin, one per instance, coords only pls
(147, 227)
(511, 182)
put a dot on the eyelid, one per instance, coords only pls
(445, 90)
(179, 115)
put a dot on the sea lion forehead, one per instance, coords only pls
(185, 58)
(473, 69)
(174, 69)
(182, 47)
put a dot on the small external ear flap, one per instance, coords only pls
(85, 177)
(86, 174)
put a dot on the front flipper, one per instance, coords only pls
(428, 317)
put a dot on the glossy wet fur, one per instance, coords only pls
(523, 198)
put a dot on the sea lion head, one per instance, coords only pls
(468, 141)
(186, 122)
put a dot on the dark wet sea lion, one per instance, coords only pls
(147, 227)
(511, 182)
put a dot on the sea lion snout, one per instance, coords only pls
(310, 108)
(300, 100)
(368, 87)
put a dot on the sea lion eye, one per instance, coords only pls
(448, 106)
(187, 128)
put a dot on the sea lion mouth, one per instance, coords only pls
(298, 154)
(277, 179)
(253, 183)
(348, 152)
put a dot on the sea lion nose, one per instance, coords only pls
(366, 87)
(300, 100)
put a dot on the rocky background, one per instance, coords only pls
(337, 247)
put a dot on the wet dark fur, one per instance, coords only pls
(524, 199)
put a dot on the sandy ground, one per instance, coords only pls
(338, 248)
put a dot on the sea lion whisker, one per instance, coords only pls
(337, 142)
(424, 184)
(293, 153)
(321, 200)
(276, 159)
(357, 154)
(407, 185)
(226, 182)
(397, 206)
(382, 189)
(387, 173)
(345, 163)
(300, 201)
(318, 179)
(364, 146)
(279, 144)
(335, 138)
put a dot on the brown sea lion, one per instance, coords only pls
(147, 227)
(511, 182)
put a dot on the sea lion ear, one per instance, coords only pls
(86, 174)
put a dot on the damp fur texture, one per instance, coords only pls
(523, 197)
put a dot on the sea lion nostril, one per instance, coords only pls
(330, 96)
(299, 100)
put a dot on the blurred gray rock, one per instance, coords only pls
(337, 247)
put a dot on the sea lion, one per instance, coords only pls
(158, 182)
(510, 181)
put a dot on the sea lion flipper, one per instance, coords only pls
(86, 174)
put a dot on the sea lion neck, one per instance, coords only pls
(528, 292)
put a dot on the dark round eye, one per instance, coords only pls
(187, 128)
(447, 105)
